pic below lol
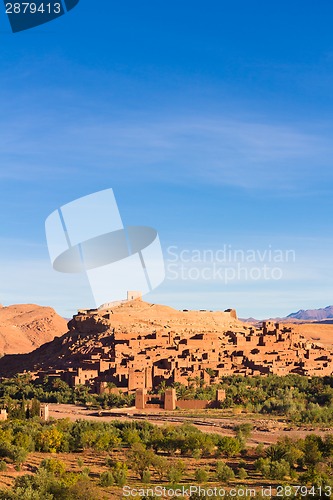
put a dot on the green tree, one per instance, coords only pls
(201, 475)
(242, 474)
(106, 479)
(119, 472)
(35, 408)
(312, 452)
(146, 477)
(84, 489)
(243, 431)
(176, 472)
(160, 464)
(224, 473)
(19, 456)
(140, 459)
(49, 440)
(53, 466)
(228, 446)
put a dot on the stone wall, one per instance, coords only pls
(192, 404)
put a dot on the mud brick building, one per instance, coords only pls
(136, 345)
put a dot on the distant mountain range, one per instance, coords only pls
(313, 314)
(322, 315)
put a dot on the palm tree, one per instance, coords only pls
(161, 387)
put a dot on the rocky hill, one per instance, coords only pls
(138, 345)
(87, 334)
(24, 327)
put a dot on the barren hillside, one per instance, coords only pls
(136, 317)
(136, 331)
(320, 333)
(24, 327)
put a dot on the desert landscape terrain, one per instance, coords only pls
(24, 327)
(71, 405)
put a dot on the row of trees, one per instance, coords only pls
(309, 460)
(301, 399)
(67, 436)
(22, 388)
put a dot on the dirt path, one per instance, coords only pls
(266, 431)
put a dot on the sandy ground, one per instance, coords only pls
(318, 333)
(265, 430)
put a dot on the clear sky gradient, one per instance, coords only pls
(212, 121)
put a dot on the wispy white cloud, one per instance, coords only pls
(175, 149)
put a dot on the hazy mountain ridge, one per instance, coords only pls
(312, 314)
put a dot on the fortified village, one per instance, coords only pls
(133, 346)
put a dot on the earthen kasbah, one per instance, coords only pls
(136, 345)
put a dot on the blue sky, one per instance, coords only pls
(212, 121)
